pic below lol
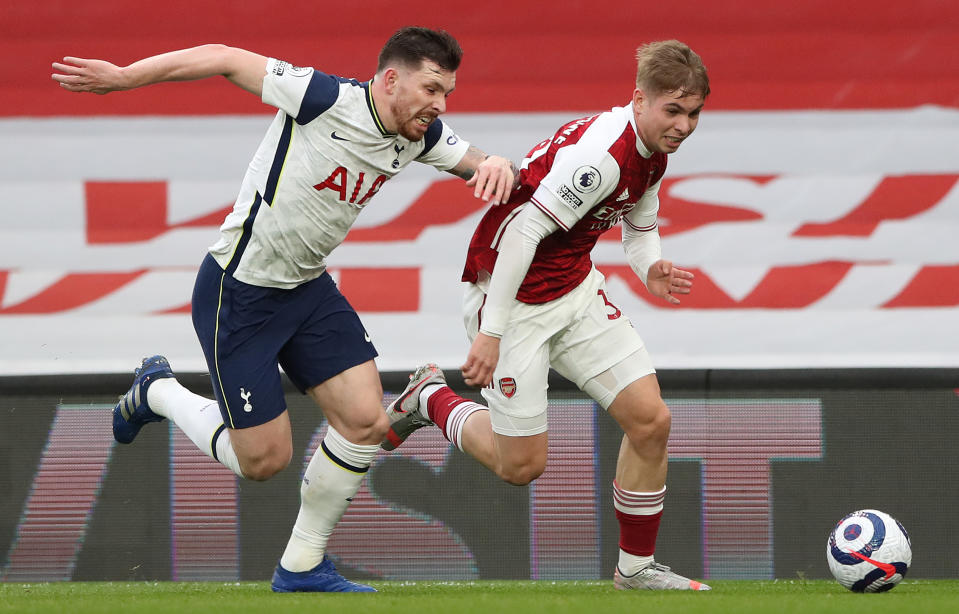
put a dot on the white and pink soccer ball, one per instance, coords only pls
(869, 551)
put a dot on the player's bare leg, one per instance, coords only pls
(351, 402)
(264, 450)
(517, 460)
(428, 400)
(645, 420)
(640, 487)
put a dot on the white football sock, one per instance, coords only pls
(331, 479)
(425, 395)
(630, 564)
(457, 420)
(198, 417)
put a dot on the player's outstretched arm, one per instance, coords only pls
(491, 177)
(665, 281)
(243, 68)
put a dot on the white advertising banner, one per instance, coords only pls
(818, 239)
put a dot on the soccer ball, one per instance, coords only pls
(869, 552)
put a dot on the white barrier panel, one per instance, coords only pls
(819, 239)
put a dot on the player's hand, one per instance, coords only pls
(481, 361)
(492, 180)
(666, 281)
(96, 76)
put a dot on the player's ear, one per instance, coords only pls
(638, 98)
(390, 77)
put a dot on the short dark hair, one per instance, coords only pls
(412, 45)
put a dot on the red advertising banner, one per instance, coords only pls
(519, 55)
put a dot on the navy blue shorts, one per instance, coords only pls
(247, 331)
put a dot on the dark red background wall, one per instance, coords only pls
(562, 55)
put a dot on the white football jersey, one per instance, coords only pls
(324, 157)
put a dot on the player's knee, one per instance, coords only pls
(653, 428)
(377, 431)
(521, 475)
(264, 466)
(368, 429)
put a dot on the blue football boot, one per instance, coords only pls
(321, 579)
(132, 411)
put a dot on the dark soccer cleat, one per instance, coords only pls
(321, 579)
(656, 577)
(404, 413)
(133, 411)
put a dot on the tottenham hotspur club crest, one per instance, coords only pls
(586, 179)
(396, 161)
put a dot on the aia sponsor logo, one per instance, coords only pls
(339, 182)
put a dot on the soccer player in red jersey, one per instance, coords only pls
(534, 300)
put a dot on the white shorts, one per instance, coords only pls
(581, 335)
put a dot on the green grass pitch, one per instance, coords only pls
(732, 597)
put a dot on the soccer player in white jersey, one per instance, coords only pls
(544, 304)
(263, 297)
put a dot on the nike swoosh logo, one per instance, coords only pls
(337, 138)
(367, 337)
(886, 567)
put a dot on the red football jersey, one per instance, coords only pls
(586, 177)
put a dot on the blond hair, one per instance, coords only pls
(670, 66)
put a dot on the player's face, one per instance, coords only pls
(666, 120)
(419, 97)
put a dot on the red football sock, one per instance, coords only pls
(441, 403)
(637, 534)
(639, 515)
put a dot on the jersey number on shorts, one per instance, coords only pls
(615, 313)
